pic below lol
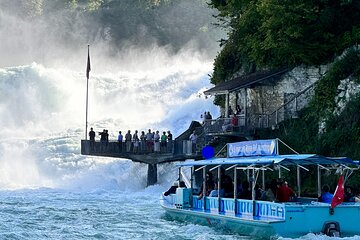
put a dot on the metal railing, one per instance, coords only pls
(248, 124)
(287, 110)
(112, 148)
(223, 125)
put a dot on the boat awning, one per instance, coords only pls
(243, 81)
(294, 159)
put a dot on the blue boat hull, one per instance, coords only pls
(267, 219)
(234, 224)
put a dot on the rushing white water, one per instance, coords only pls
(42, 111)
(49, 190)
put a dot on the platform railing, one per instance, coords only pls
(88, 147)
(248, 124)
(223, 125)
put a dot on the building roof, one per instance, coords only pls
(243, 81)
(286, 160)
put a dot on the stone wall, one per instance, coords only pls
(346, 90)
(272, 94)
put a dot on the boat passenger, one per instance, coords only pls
(258, 192)
(284, 193)
(226, 184)
(348, 195)
(326, 196)
(172, 189)
(245, 192)
(215, 191)
(357, 197)
(210, 185)
(268, 194)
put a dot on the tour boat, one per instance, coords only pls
(266, 219)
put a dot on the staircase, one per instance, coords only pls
(212, 132)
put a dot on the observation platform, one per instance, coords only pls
(177, 150)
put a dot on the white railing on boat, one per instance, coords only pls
(263, 209)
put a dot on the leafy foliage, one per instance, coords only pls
(326, 89)
(341, 135)
(272, 33)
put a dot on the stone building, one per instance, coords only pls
(270, 96)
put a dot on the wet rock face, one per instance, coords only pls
(346, 89)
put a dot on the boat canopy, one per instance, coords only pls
(285, 160)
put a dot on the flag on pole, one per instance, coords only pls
(88, 67)
(339, 193)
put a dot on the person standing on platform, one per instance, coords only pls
(193, 138)
(230, 111)
(203, 117)
(169, 136)
(157, 142)
(208, 116)
(142, 142)
(102, 140)
(128, 141)
(149, 141)
(136, 142)
(106, 139)
(169, 142)
(92, 140)
(163, 142)
(238, 109)
(234, 121)
(120, 141)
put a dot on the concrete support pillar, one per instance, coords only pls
(152, 174)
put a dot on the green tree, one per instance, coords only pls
(273, 33)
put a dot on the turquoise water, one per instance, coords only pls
(56, 214)
(101, 214)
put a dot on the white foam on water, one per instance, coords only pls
(42, 111)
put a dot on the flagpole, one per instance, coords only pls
(87, 91)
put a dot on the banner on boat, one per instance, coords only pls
(252, 148)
